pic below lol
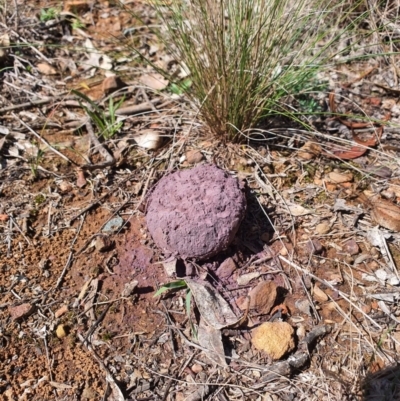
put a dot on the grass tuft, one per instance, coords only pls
(245, 57)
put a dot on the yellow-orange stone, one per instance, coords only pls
(274, 338)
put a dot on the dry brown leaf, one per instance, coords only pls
(309, 151)
(339, 178)
(154, 81)
(386, 214)
(319, 295)
(263, 297)
(21, 311)
(80, 179)
(46, 69)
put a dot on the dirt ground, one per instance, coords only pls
(79, 270)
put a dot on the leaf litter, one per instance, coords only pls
(87, 314)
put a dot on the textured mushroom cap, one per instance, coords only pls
(195, 213)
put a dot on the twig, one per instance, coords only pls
(48, 357)
(40, 54)
(116, 391)
(148, 101)
(109, 159)
(19, 229)
(138, 108)
(343, 295)
(97, 322)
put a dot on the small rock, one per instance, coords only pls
(61, 311)
(103, 243)
(65, 186)
(314, 247)
(170, 267)
(303, 305)
(274, 338)
(196, 368)
(194, 156)
(323, 228)
(246, 278)
(61, 331)
(113, 225)
(89, 394)
(301, 331)
(242, 302)
(266, 237)
(20, 311)
(149, 139)
(351, 247)
(129, 288)
(263, 297)
(226, 269)
(339, 178)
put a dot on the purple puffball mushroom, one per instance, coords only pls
(195, 213)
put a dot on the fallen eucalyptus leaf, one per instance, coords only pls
(215, 311)
(211, 338)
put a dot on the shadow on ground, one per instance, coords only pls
(383, 385)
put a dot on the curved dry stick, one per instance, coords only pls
(109, 159)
